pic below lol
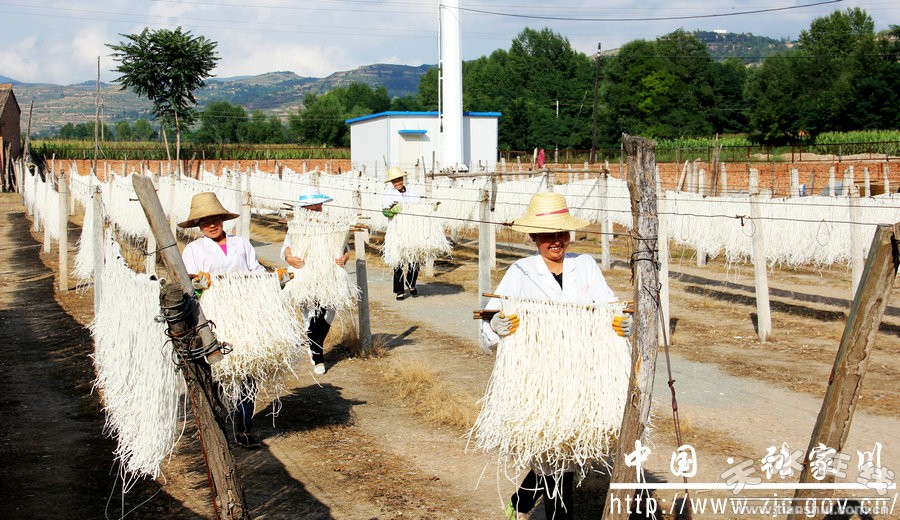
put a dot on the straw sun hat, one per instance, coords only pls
(204, 205)
(394, 173)
(547, 213)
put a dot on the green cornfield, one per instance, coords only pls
(153, 151)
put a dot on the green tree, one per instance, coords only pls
(222, 123)
(124, 132)
(166, 67)
(321, 122)
(265, 129)
(774, 93)
(142, 130)
(730, 115)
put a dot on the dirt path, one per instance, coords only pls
(347, 447)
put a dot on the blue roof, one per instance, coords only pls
(390, 113)
(412, 131)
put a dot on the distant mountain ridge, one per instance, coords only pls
(282, 92)
(278, 93)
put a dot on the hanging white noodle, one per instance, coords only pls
(136, 375)
(84, 257)
(319, 238)
(266, 337)
(414, 236)
(557, 391)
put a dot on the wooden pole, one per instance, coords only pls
(484, 260)
(642, 188)
(362, 277)
(63, 242)
(168, 247)
(362, 280)
(663, 248)
(227, 489)
(871, 299)
(228, 492)
(760, 270)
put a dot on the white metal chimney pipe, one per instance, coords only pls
(451, 93)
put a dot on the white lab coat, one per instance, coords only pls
(530, 278)
(205, 255)
(392, 195)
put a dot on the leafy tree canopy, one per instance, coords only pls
(166, 67)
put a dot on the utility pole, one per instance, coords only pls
(596, 85)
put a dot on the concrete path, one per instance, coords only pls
(751, 412)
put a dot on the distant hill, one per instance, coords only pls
(748, 48)
(279, 93)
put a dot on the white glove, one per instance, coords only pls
(623, 325)
(284, 276)
(201, 281)
(504, 325)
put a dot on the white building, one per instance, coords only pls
(413, 139)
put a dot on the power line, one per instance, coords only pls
(647, 18)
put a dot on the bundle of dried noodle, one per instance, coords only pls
(555, 398)
(266, 337)
(414, 236)
(319, 238)
(136, 373)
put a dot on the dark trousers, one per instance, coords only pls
(534, 486)
(402, 283)
(317, 331)
(242, 419)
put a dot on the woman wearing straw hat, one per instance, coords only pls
(214, 253)
(318, 320)
(395, 196)
(554, 275)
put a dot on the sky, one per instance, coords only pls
(60, 41)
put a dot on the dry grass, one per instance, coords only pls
(345, 332)
(417, 383)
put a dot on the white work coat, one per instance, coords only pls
(392, 195)
(205, 255)
(530, 278)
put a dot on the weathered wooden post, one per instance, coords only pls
(362, 278)
(642, 188)
(663, 249)
(176, 300)
(871, 299)
(760, 270)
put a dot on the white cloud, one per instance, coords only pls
(14, 62)
(58, 42)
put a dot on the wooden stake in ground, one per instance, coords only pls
(833, 424)
(227, 489)
(642, 188)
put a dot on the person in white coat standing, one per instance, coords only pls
(318, 320)
(553, 275)
(217, 252)
(395, 196)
